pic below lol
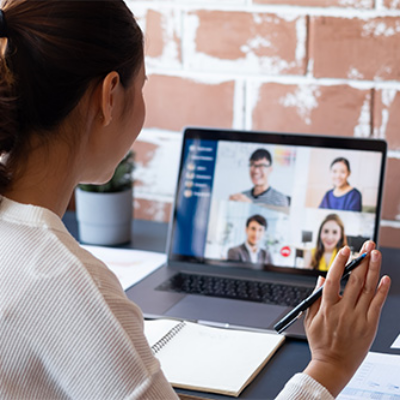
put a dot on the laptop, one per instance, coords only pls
(251, 212)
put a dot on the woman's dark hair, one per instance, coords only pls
(53, 51)
(345, 161)
(319, 252)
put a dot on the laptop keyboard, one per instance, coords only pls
(260, 292)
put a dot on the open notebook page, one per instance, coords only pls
(211, 359)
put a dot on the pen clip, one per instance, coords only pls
(290, 323)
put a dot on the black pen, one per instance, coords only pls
(296, 313)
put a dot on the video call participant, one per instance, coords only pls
(343, 196)
(331, 238)
(250, 250)
(262, 192)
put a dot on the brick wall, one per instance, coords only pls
(314, 66)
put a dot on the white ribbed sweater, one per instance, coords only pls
(67, 330)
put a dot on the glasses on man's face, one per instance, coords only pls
(259, 165)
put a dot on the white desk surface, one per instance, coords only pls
(130, 266)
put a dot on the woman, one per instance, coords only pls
(343, 196)
(71, 78)
(331, 238)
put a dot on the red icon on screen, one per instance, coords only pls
(285, 251)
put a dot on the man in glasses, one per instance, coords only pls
(262, 193)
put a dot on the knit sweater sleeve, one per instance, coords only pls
(303, 387)
(131, 370)
(74, 335)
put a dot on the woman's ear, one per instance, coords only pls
(109, 89)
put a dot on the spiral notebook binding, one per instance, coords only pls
(167, 337)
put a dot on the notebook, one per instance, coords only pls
(252, 212)
(192, 356)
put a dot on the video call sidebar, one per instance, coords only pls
(194, 198)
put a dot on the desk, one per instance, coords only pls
(294, 355)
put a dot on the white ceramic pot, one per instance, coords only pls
(104, 218)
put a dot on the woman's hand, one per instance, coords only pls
(341, 329)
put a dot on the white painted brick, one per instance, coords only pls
(160, 174)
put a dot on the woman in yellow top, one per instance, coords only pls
(331, 238)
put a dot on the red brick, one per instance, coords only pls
(355, 48)
(154, 34)
(389, 237)
(333, 110)
(365, 4)
(391, 193)
(162, 38)
(152, 210)
(387, 117)
(392, 4)
(156, 167)
(248, 42)
(173, 103)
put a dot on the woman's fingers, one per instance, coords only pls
(378, 301)
(332, 284)
(367, 291)
(315, 307)
(368, 246)
(364, 278)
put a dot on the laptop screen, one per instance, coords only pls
(269, 200)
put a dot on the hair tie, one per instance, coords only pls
(3, 25)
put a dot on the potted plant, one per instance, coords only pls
(104, 212)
